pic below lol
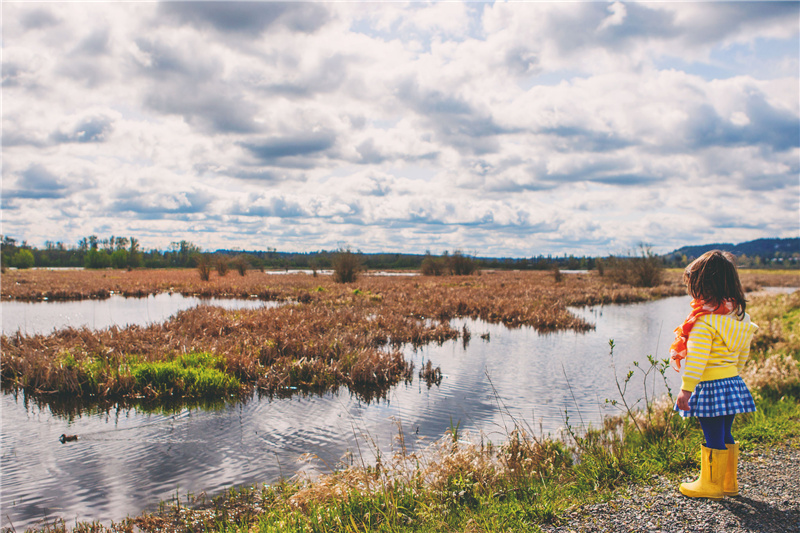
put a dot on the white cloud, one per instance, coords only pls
(514, 128)
(617, 16)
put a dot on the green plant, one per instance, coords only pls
(655, 421)
(119, 258)
(23, 258)
(193, 375)
(453, 430)
(97, 259)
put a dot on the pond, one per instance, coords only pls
(43, 317)
(127, 460)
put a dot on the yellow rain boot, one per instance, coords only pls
(730, 484)
(713, 464)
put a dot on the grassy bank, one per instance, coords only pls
(329, 335)
(464, 483)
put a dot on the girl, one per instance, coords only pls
(715, 341)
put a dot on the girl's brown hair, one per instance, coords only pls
(713, 278)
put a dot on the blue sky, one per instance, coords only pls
(500, 129)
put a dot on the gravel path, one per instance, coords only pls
(768, 502)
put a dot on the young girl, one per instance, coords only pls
(715, 341)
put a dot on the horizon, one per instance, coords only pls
(497, 129)
(103, 245)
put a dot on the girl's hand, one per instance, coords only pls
(683, 400)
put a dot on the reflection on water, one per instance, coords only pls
(43, 317)
(126, 459)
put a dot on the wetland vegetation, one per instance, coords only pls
(467, 483)
(331, 334)
(327, 335)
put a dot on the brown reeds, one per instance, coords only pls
(287, 348)
(430, 375)
(333, 335)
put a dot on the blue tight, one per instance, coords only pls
(717, 430)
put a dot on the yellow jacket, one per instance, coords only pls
(717, 348)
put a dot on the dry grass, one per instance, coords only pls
(753, 279)
(336, 336)
(775, 368)
(479, 464)
(87, 284)
(333, 335)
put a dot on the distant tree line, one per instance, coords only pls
(94, 252)
(127, 253)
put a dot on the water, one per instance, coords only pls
(43, 317)
(127, 460)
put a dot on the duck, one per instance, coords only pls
(67, 438)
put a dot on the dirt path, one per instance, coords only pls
(769, 502)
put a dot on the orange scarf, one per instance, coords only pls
(677, 352)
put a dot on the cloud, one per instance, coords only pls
(250, 18)
(91, 130)
(261, 206)
(194, 88)
(36, 183)
(213, 109)
(38, 19)
(11, 73)
(505, 127)
(588, 140)
(455, 121)
(263, 175)
(159, 204)
(290, 151)
(95, 44)
(759, 124)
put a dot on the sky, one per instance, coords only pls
(497, 129)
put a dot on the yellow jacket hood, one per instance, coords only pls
(736, 332)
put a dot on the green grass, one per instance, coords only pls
(775, 422)
(193, 375)
(190, 375)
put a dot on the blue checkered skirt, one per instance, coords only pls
(720, 397)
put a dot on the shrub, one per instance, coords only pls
(643, 270)
(97, 259)
(119, 259)
(460, 264)
(203, 266)
(346, 265)
(241, 263)
(222, 265)
(23, 259)
(432, 266)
